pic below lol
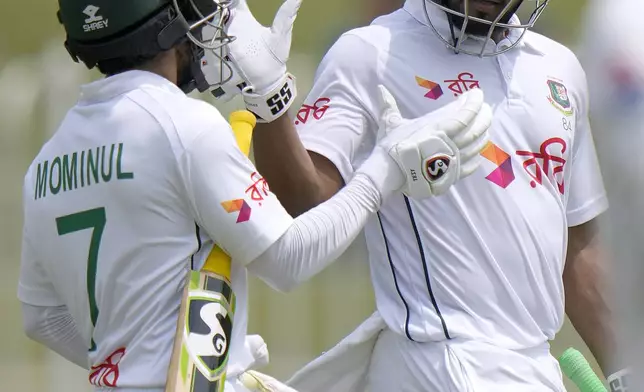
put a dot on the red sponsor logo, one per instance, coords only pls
(107, 373)
(259, 190)
(316, 111)
(548, 163)
(464, 82)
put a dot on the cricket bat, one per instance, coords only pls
(204, 328)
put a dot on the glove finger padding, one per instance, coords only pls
(424, 148)
(468, 168)
(470, 157)
(259, 382)
(469, 105)
(390, 116)
(477, 128)
(474, 149)
(285, 17)
(240, 5)
(432, 160)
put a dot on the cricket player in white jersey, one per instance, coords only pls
(470, 285)
(614, 58)
(140, 181)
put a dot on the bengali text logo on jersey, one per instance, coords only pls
(503, 175)
(315, 111)
(436, 167)
(464, 82)
(259, 190)
(106, 374)
(240, 206)
(551, 165)
(559, 97)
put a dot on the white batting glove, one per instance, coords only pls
(258, 56)
(258, 382)
(619, 382)
(431, 152)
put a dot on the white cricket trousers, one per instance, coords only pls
(400, 365)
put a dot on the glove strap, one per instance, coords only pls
(275, 102)
(619, 382)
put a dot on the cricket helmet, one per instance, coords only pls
(103, 30)
(454, 39)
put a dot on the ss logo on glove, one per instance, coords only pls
(279, 101)
(436, 167)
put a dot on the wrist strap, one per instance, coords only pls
(274, 103)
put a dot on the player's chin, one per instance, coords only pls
(473, 27)
(477, 29)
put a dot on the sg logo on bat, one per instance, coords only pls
(208, 331)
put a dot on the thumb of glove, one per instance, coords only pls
(390, 116)
(469, 105)
(285, 17)
(241, 5)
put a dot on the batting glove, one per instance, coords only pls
(431, 152)
(257, 58)
(618, 382)
(255, 381)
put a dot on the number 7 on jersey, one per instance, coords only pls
(91, 219)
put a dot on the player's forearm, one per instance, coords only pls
(54, 327)
(309, 245)
(288, 168)
(587, 302)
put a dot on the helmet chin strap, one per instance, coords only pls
(191, 76)
(450, 20)
(452, 30)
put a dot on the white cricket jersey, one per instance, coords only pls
(130, 192)
(484, 261)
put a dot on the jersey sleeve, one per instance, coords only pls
(34, 286)
(338, 119)
(587, 198)
(229, 199)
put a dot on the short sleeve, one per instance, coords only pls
(230, 200)
(34, 286)
(587, 198)
(339, 117)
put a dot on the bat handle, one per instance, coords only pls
(243, 122)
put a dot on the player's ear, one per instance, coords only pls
(182, 56)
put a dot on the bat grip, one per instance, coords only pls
(243, 122)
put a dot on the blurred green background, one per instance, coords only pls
(38, 83)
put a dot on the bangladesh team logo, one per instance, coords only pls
(559, 97)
